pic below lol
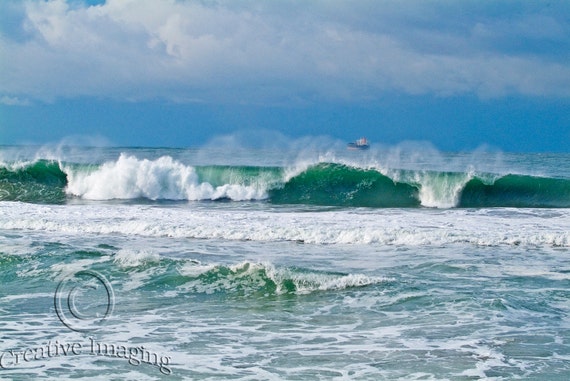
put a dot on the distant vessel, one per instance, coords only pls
(360, 144)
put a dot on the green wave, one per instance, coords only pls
(327, 184)
(40, 182)
(517, 191)
(341, 185)
(184, 275)
(265, 279)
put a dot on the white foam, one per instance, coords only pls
(248, 274)
(164, 178)
(408, 227)
(16, 165)
(195, 269)
(133, 258)
(61, 270)
(441, 190)
(306, 282)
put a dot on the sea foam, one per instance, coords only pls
(163, 178)
(410, 227)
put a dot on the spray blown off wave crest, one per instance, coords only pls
(342, 185)
(321, 183)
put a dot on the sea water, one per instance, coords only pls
(288, 264)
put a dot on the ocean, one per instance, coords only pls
(283, 263)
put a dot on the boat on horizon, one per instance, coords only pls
(360, 144)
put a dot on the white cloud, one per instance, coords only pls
(13, 101)
(257, 51)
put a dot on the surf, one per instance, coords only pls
(164, 178)
(41, 181)
(334, 184)
(325, 183)
(268, 279)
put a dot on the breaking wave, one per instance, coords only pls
(265, 278)
(151, 272)
(324, 183)
(41, 181)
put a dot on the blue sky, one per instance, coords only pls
(458, 74)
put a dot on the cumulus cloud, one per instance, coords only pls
(283, 51)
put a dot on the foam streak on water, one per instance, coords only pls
(491, 227)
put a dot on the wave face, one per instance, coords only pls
(324, 183)
(341, 185)
(41, 182)
(517, 191)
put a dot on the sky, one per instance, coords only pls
(179, 73)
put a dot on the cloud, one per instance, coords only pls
(285, 51)
(13, 101)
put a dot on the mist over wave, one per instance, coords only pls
(319, 184)
(402, 176)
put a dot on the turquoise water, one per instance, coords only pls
(396, 263)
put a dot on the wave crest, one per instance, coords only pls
(37, 181)
(250, 277)
(321, 183)
(160, 179)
